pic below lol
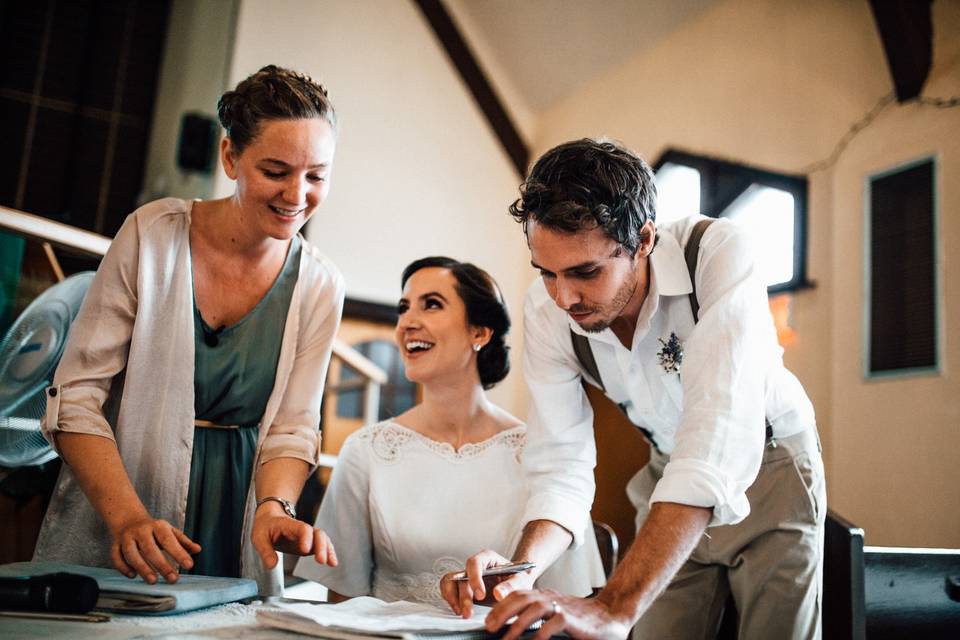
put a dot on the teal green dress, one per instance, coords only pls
(234, 376)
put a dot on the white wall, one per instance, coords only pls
(193, 75)
(777, 84)
(418, 171)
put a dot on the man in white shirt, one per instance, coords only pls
(733, 498)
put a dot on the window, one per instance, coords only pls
(396, 396)
(771, 206)
(900, 275)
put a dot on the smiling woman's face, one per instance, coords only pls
(283, 175)
(433, 335)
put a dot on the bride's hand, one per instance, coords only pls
(461, 594)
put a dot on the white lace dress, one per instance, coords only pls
(402, 510)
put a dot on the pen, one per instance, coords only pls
(500, 570)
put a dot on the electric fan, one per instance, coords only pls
(28, 357)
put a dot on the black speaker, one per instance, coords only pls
(198, 142)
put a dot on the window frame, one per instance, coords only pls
(938, 307)
(722, 182)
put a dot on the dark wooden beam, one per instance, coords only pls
(372, 311)
(906, 30)
(473, 76)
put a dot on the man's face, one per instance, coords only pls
(587, 274)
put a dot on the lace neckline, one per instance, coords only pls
(389, 437)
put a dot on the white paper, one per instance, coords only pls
(371, 614)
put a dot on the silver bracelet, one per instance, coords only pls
(288, 507)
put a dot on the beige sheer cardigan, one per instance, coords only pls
(127, 375)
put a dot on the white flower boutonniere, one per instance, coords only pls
(671, 354)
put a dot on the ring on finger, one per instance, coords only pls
(555, 608)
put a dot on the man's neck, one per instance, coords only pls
(625, 324)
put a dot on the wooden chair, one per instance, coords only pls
(608, 544)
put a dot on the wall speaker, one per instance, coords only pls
(198, 142)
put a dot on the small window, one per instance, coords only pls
(678, 192)
(901, 276)
(771, 206)
(396, 396)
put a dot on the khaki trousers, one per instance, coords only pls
(771, 562)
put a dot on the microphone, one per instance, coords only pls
(211, 337)
(58, 592)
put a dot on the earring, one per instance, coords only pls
(477, 347)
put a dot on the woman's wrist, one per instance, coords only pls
(275, 506)
(119, 520)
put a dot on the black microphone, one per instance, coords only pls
(59, 592)
(211, 337)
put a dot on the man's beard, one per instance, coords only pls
(611, 311)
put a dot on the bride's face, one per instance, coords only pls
(433, 335)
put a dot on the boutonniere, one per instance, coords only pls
(671, 354)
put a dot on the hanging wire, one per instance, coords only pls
(851, 133)
(940, 103)
(864, 122)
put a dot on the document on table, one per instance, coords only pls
(370, 617)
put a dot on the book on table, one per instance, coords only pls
(134, 596)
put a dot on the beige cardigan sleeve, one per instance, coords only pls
(96, 350)
(294, 431)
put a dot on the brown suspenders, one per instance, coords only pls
(581, 344)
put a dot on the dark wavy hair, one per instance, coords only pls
(586, 184)
(272, 93)
(485, 308)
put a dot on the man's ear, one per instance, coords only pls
(228, 158)
(648, 236)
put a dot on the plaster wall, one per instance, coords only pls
(193, 75)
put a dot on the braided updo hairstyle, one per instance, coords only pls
(272, 93)
(485, 308)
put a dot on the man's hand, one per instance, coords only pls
(275, 531)
(460, 594)
(145, 547)
(578, 617)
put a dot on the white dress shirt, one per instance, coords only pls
(709, 417)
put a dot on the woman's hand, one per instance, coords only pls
(460, 594)
(274, 530)
(145, 546)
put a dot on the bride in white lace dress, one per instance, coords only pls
(413, 497)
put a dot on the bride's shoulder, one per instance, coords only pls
(505, 420)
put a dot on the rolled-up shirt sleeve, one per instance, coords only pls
(97, 347)
(720, 439)
(294, 432)
(560, 453)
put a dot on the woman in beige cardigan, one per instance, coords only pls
(188, 396)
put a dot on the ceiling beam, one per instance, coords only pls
(476, 80)
(906, 30)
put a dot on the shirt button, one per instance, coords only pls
(52, 391)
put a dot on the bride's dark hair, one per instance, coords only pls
(485, 308)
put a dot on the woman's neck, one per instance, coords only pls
(458, 413)
(224, 226)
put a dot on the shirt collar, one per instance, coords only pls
(668, 267)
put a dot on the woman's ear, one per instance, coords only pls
(228, 157)
(481, 336)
